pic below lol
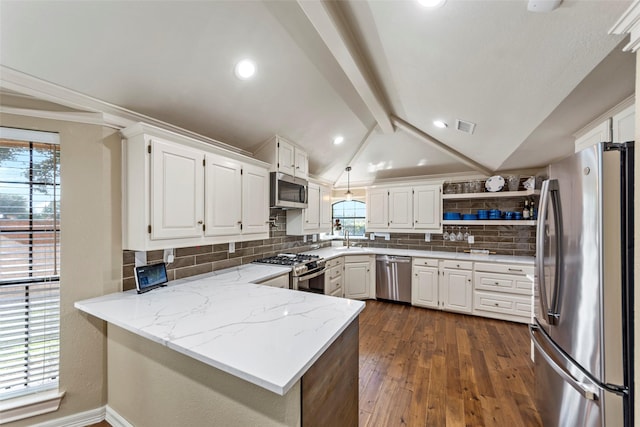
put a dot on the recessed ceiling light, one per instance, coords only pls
(439, 124)
(338, 140)
(432, 3)
(245, 69)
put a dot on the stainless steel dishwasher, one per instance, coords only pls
(393, 278)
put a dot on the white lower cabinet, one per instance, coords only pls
(281, 281)
(456, 287)
(359, 276)
(424, 282)
(333, 277)
(503, 291)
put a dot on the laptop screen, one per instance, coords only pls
(150, 277)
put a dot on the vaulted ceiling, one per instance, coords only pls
(376, 72)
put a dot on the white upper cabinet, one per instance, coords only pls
(255, 200)
(400, 208)
(427, 207)
(180, 192)
(223, 191)
(284, 157)
(316, 217)
(623, 125)
(601, 133)
(377, 209)
(412, 209)
(176, 191)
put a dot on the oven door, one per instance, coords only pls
(310, 282)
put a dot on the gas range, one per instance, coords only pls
(302, 264)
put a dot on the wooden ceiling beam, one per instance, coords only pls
(329, 24)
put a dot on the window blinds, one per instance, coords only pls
(29, 264)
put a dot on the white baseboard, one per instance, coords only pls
(113, 418)
(76, 420)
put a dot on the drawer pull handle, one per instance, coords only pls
(496, 283)
(515, 269)
(495, 303)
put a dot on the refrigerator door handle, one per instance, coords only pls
(584, 389)
(540, 246)
(554, 191)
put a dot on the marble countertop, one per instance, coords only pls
(336, 251)
(265, 335)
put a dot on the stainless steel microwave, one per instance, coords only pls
(288, 191)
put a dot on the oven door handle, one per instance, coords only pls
(311, 275)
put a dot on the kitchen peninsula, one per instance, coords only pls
(216, 349)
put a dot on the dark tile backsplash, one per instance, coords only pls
(501, 239)
(207, 258)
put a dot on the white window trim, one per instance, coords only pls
(29, 135)
(29, 406)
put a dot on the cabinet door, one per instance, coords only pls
(312, 212)
(456, 290)
(427, 207)
(326, 214)
(424, 287)
(401, 208)
(601, 133)
(623, 125)
(255, 200)
(377, 209)
(302, 164)
(223, 189)
(177, 191)
(356, 280)
(286, 157)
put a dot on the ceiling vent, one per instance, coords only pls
(466, 127)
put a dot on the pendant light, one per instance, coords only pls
(348, 193)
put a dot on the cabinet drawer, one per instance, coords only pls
(334, 262)
(337, 293)
(504, 304)
(502, 283)
(425, 262)
(504, 268)
(333, 285)
(356, 258)
(334, 272)
(457, 265)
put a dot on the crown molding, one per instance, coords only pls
(629, 23)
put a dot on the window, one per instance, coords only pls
(29, 262)
(351, 216)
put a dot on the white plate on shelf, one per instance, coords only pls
(495, 183)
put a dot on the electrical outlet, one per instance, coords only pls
(471, 239)
(168, 256)
(232, 247)
(372, 236)
(387, 236)
(427, 237)
(314, 238)
(304, 238)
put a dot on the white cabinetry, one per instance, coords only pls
(400, 208)
(377, 209)
(623, 125)
(411, 209)
(359, 276)
(173, 198)
(503, 291)
(424, 282)
(285, 157)
(281, 281)
(316, 217)
(176, 191)
(333, 277)
(455, 287)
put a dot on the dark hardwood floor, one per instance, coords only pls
(421, 367)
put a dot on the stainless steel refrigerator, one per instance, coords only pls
(582, 329)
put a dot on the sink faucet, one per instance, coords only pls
(346, 236)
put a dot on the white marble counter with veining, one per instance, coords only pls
(265, 335)
(336, 251)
